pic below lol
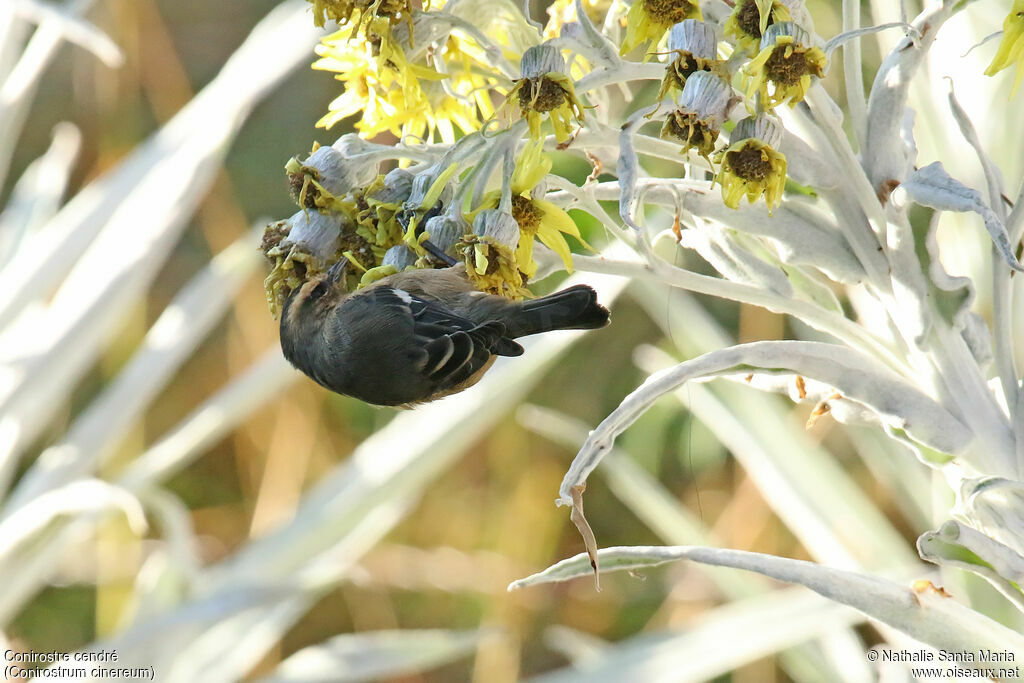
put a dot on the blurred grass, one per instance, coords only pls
(484, 522)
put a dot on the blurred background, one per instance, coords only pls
(481, 522)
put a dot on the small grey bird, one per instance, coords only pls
(418, 335)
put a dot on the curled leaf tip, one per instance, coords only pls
(589, 540)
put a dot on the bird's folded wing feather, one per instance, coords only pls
(454, 347)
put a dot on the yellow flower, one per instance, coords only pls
(392, 94)
(544, 89)
(379, 82)
(551, 94)
(751, 166)
(751, 18)
(647, 20)
(782, 71)
(1011, 47)
(537, 218)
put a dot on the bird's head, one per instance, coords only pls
(306, 308)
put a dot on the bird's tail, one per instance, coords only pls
(575, 308)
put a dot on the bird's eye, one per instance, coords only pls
(318, 291)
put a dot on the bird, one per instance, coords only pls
(417, 335)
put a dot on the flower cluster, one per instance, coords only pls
(432, 73)
(414, 218)
(783, 62)
(446, 72)
(462, 74)
(545, 89)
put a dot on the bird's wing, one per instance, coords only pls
(454, 348)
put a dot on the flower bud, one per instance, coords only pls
(420, 195)
(316, 233)
(995, 506)
(325, 175)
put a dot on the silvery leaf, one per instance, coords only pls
(628, 169)
(375, 654)
(168, 344)
(846, 36)
(955, 544)
(730, 259)
(995, 506)
(719, 641)
(596, 45)
(932, 186)
(993, 176)
(886, 155)
(978, 338)
(39, 191)
(930, 617)
(806, 165)
(70, 500)
(72, 28)
(900, 405)
(800, 233)
(828, 402)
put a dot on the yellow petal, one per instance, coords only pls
(524, 257)
(1011, 47)
(438, 186)
(552, 238)
(533, 118)
(481, 259)
(557, 217)
(531, 168)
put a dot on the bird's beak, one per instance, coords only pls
(335, 272)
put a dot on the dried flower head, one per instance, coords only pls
(489, 254)
(648, 20)
(751, 18)
(545, 89)
(782, 71)
(752, 164)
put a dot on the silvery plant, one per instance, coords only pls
(884, 222)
